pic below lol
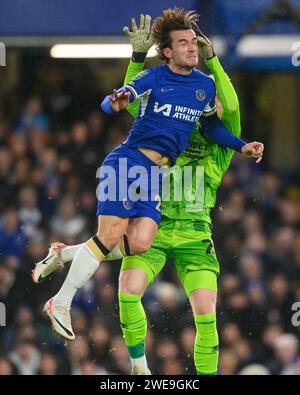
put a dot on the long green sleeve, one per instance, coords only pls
(231, 110)
(202, 152)
(132, 70)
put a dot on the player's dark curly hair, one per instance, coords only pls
(172, 19)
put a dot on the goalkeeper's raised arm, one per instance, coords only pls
(141, 40)
(230, 113)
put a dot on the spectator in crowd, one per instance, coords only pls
(68, 222)
(32, 117)
(287, 356)
(12, 238)
(6, 367)
(26, 357)
(48, 365)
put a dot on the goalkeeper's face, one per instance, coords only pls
(184, 51)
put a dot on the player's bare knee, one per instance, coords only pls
(131, 288)
(128, 285)
(109, 236)
(202, 310)
(139, 244)
(205, 307)
(138, 249)
(203, 301)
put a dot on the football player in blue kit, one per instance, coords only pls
(173, 97)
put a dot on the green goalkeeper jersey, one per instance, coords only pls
(201, 152)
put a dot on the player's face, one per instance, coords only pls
(184, 51)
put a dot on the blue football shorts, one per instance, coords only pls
(130, 185)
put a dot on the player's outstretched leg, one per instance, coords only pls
(133, 283)
(58, 255)
(111, 232)
(86, 261)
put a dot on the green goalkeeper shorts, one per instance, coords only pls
(189, 244)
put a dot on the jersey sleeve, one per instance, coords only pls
(141, 83)
(133, 69)
(230, 115)
(216, 130)
(210, 108)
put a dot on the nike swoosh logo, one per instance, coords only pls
(40, 278)
(166, 89)
(61, 325)
(46, 259)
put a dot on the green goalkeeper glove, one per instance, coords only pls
(205, 46)
(141, 38)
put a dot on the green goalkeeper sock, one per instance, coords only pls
(206, 349)
(133, 324)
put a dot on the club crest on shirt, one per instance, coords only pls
(200, 94)
(127, 204)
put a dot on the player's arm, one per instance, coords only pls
(127, 94)
(212, 126)
(227, 133)
(230, 115)
(118, 101)
(135, 84)
(141, 40)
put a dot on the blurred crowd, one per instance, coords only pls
(48, 193)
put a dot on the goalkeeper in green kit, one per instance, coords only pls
(185, 232)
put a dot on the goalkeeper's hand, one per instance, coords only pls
(141, 38)
(205, 46)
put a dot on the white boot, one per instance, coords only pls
(60, 318)
(52, 262)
